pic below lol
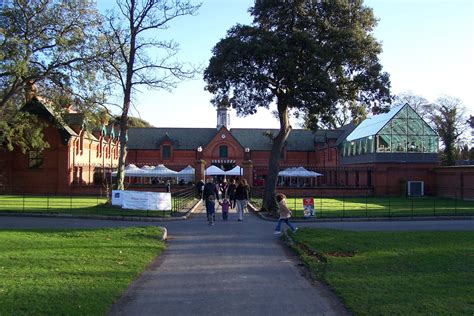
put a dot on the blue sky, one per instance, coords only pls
(428, 48)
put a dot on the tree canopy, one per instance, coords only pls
(49, 47)
(300, 55)
(450, 123)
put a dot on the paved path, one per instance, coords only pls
(231, 268)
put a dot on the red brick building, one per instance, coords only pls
(76, 161)
(380, 155)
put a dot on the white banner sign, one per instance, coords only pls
(138, 200)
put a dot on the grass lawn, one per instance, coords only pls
(393, 273)
(383, 207)
(71, 272)
(70, 205)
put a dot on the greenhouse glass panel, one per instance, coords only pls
(412, 114)
(432, 144)
(427, 130)
(399, 127)
(383, 143)
(415, 144)
(387, 130)
(370, 144)
(402, 114)
(399, 143)
(415, 127)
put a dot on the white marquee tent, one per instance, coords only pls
(214, 171)
(236, 171)
(187, 174)
(297, 173)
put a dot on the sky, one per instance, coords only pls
(428, 49)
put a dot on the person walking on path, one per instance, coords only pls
(285, 214)
(225, 205)
(211, 209)
(209, 196)
(231, 193)
(242, 193)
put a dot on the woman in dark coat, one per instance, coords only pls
(242, 194)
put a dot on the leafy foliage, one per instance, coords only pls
(302, 55)
(50, 48)
(450, 123)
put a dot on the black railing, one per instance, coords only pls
(449, 202)
(39, 202)
(183, 200)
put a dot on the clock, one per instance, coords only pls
(223, 136)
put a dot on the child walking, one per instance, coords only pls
(211, 209)
(285, 214)
(225, 205)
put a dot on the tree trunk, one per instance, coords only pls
(269, 202)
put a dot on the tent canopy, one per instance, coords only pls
(236, 171)
(187, 171)
(214, 171)
(161, 171)
(298, 172)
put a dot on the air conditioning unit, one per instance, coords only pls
(416, 188)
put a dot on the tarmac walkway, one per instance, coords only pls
(231, 268)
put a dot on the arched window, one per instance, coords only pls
(223, 151)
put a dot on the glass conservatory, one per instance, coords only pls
(401, 130)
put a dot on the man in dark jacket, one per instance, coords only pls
(209, 195)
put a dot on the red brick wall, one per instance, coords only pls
(455, 182)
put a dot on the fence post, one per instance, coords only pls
(366, 201)
(455, 204)
(343, 207)
(321, 206)
(389, 208)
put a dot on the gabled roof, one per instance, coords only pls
(372, 125)
(37, 107)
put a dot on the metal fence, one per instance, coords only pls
(98, 204)
(367, 206)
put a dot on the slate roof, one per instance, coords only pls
(192, 138)
(255, 139)
(182, 138)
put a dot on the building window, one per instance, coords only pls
(35, 159)
(166, 152)
(223, 152)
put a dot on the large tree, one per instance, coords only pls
(298, 54)
(450, 123)
(131, 34)
(48, 46)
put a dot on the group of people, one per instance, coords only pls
(231, 195)
(227, 195)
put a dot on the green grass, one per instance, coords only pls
(392, 273)
(71, 272)
(70, 205)
(383, 207)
